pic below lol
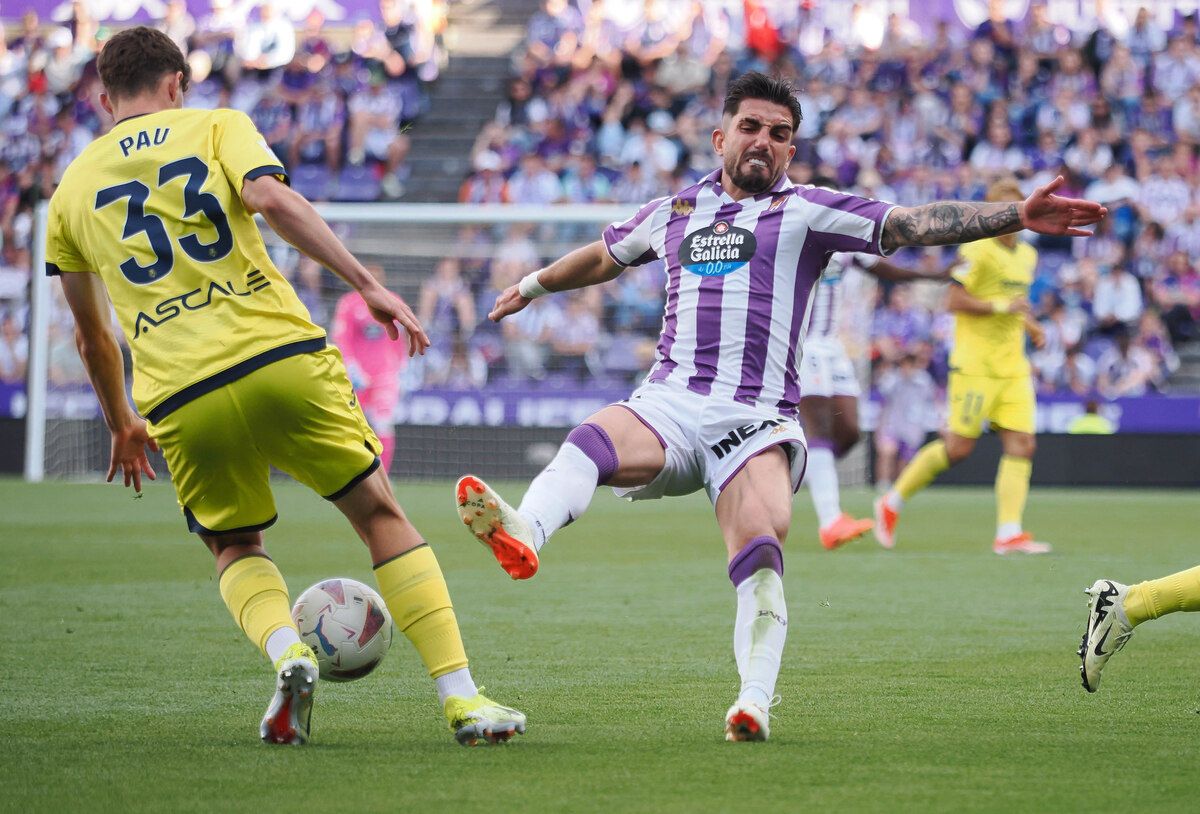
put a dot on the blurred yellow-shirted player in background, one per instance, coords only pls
(990, 380)
(230, 373)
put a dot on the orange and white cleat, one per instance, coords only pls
(1022, 543)
(498, 526)
(885, 523)
(843, 530)
(747, 721)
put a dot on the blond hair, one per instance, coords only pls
(1006, 189)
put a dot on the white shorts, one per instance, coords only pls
(826, 371)
(708, 440)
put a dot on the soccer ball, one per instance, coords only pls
(346, 624)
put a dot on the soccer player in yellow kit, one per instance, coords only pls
(990, 380)
(230, 373)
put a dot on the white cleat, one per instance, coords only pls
(290, 713)
(747, 721)
(1108, 629)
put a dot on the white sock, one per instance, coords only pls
(1006, 530)
(759, 634)
(893, 500)
(458, 683)
(822, 479)
(560, 494)
(279, 641)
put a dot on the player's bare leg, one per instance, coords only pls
(831, 432)
(754, 511)
(411, 583)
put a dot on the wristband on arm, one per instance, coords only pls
(530, 288)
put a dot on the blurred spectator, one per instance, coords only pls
(216, 34)
(575, 336)
(64, 64)
(486, 184)
(268, 44)
(909, 400)
(1078, 373)
(1152, 336)
(1118, 300)
(1176, 295)
(533, 183)
(584, 183)
(320, 120)
(14, 350)
(526, 337)
(178, 24)
(554, 34)
(1124, 369)
(374, 132)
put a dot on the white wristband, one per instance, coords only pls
(529, 286)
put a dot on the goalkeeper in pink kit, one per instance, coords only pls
(374, 365)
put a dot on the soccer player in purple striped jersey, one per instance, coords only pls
(744, 248)
(829, 388)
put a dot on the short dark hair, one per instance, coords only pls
(135, 60)
(755, 85)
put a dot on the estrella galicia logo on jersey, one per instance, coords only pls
(742, 434)
(195, 300)
(683, 206)
(717, 250)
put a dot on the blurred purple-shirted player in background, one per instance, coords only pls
(829, 388)
(744, 248)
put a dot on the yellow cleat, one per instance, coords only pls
(288, 717)
(480, 720)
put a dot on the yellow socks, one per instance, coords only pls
(1012, 489)
(415, 591)
(927, 464)
(1151, 599)
(256, 595)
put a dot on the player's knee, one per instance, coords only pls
(1020, 445)
(957, 449)
(847, 438)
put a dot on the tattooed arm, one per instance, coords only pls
(946, 222)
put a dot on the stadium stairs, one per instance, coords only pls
(480, 38)
(1187, 378)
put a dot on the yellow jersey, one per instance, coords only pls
(154, 207)
(993, 344)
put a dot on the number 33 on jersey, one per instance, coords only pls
(154, 207)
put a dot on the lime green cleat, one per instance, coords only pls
(480, 720)
(290, 712)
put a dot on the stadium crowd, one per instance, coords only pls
(614, 102)
(609, 106)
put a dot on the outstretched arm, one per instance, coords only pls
(101, 357)
(589, 265)
(946, 222)
(295, 220)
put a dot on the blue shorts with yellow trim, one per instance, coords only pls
(298, 414)
(1008, 404)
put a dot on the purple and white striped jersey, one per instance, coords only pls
(740, 276)
(826, 319)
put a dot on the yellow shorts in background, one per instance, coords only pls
(1007, 404)
(299, 414)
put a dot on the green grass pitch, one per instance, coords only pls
(935, 677)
